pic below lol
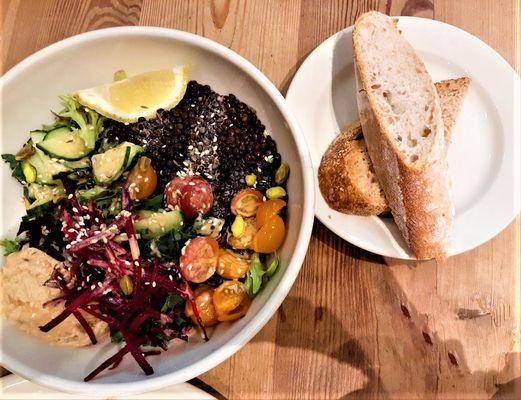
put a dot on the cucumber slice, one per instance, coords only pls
(153, 224)
(91, 194)
(64, 143)
(37, 136)
(82, 163)
(109, 166)
(46, 168)
(44, 193)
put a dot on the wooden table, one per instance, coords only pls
(355, 325)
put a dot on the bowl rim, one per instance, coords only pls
(304, 235)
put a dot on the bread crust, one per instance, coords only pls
(451, 93)
(338, 186)
(417, 193)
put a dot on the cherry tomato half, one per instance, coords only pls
(268, 209)
(227, 298)
(199, 259)
(204, 303)
(231, 265)
(173, 192)
(142, 180)
(246, 202)
(192, 194)
(270, 236)
(238, 312)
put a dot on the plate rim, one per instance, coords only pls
(400, 253)
(8, 381)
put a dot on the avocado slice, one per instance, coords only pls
(109, 166)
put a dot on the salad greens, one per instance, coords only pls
(87, 122)
(258, 275)
(16, 167)
(12, 245)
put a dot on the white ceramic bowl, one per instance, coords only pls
(31, 89)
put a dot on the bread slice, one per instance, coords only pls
(346, 162)
(451, 93)
(345, 176)
(402, 122)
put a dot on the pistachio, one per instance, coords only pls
(238, 226)
(282, 174)
(29, 172)
(126, 285)
(251, 179)
(275, 192)
(119, 75)
(25, 152)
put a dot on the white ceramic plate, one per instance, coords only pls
(484, 155)
(30, 89)
(14, 387)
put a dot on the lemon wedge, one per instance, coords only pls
(137, 96)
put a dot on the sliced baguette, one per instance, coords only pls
(346, 163)
(402, 122)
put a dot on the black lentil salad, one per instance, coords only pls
(215, 136)
(164, 225)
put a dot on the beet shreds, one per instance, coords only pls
(110, 281)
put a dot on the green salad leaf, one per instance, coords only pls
(87, 122)
(39, 211)
(273, 264)
(152, 204)
(116, 337)
(16, 167)
(258, 275)
(167, 247)
(12, 245)
(172, 301)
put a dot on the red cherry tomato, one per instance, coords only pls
(246, 202)
(197, 198)
(173, 192)
(192, 194)
(199, 259)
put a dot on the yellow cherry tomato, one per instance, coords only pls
(270, 236)
(268, 209)
(204, 303)
(231, 265)
(228, 297)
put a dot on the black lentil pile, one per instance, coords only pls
(215, 136)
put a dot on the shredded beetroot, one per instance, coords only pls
(106, 277)
(114, 360)
(85, 325)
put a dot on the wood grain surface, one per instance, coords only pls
(354, 325)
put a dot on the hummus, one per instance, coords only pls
(23, 295)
